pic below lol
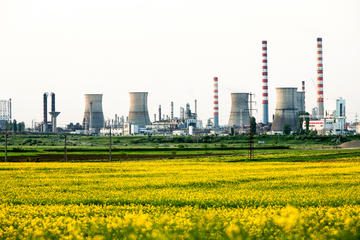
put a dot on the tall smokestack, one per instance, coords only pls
(172, 110)
(195, 108)
(53, 102)
(320, 84)
(303, 86)
(303, 89)
(45, 120)
(53, 113)
(216, 103)
(182, 113)
(159, 112)
(10, 111)
(265, 100)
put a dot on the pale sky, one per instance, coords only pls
(173, 49)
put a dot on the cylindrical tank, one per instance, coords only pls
(286, 109)
(300, 101)
(93, 115)
(239, 115)
(138, 114)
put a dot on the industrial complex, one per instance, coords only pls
(290, 112)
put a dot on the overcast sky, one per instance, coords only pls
(173, 49)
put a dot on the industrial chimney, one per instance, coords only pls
(159, 113)
(45, 120)
(195, 108)
(300, 99)
(172, 110)
(182, 113)
(138, 113)
(265, 100)
(216, 103)
(300, 102)
(93, 115)
(320, 84)
(286, 109)
(53, 113)
(239, 115)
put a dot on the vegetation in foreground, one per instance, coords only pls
(181, 199)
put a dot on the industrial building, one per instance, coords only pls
(5, 113)
(290, 106)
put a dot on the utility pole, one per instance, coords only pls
(356, 118)
(65, 149)
(251, 134)
(6, 145)
(110, 145)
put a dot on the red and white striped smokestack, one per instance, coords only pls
(265, 95)
(320, 83)
(216, 103)
(303, 86)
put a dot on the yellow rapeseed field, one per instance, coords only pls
(180, 199)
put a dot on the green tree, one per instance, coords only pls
(8, 126)
(21, 126)
(253, 126)
(14, 126)
(287, 129)
(307, 123)
(303, 116)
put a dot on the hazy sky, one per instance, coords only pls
(173, 49)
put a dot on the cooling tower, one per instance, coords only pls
(300, 101)
(286, 109)
(93, 116)
(239, 115)
(138, 113)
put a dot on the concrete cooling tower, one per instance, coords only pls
(239, 115)
(93, 116)
(286, 109)
(138, 113)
